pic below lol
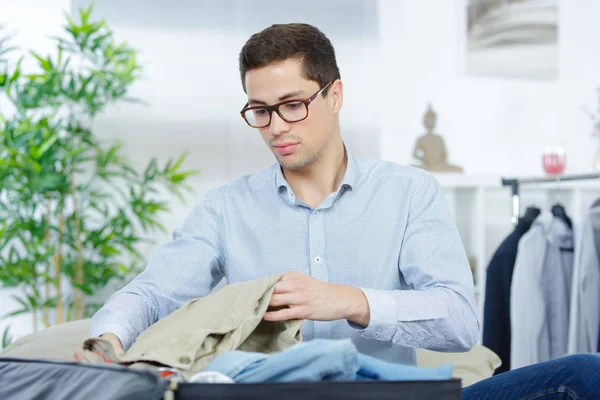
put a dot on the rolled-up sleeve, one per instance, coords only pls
(438, 312)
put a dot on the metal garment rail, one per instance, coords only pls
(515, 184)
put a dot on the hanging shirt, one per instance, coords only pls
(540, 292)
(584, 323)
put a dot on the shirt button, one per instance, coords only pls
(318, 259)
(185, 360)
(315, 213)
(377, 334)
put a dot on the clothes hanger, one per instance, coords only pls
(531, 213)
(559, 212)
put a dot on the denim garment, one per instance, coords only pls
(318, 360)
(575, 377)
(387, 229)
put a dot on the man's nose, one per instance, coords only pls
(278, 125)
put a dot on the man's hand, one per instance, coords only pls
(310, 298)
(112, 338)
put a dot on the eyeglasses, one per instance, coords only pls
(289, 111)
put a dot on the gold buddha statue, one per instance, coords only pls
(430, 148)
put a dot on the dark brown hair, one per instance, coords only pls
(282, 41)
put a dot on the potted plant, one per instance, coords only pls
(73, 210)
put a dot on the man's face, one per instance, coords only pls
(296, 145)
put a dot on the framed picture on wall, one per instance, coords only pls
(512, 39)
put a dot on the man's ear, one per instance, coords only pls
(336, 95)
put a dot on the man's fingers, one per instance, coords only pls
(284, 314)
(284, 287)
(115, 341)
(284, 299)
(78, 356)
(290, 275)
(119, 350)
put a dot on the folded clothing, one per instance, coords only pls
(318, 360)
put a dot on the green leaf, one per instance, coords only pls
(85, 14)
(48, 182)
(17, 71)
(60, 55)
(20, 301)
(48, 142)
(177, 178)
(179, 161)
(46, 64)
(109, 251)
(20, 311)
(71, 26)
(6, 337)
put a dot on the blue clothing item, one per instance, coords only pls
(387, 230)
(572, 377)
(318, 360)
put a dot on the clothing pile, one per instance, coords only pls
(222, 338)
(542, 298)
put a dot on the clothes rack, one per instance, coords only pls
(515, 184)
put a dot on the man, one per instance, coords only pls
(369, 248)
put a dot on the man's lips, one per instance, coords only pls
(285, 148)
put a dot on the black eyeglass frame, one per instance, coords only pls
(275, 108)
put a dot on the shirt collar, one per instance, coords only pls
(349, 179)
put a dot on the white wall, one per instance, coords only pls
(491, 126)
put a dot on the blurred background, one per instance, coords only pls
(509, 81)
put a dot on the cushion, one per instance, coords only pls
(57, 342)
(472, 366)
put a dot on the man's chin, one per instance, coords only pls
(290, 164)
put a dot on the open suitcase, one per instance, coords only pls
(409, 390)
(26, 379)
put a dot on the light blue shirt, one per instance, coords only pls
(387, 230)
(541, 279)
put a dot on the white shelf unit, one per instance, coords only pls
(482, 208)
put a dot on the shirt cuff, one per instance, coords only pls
(382, 307)
(117, 329)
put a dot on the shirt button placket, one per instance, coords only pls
(318, 265)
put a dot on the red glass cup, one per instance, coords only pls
(553, 160)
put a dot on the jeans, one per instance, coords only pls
(318, 360)
(571, 377)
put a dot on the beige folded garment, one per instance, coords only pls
(190, 337)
